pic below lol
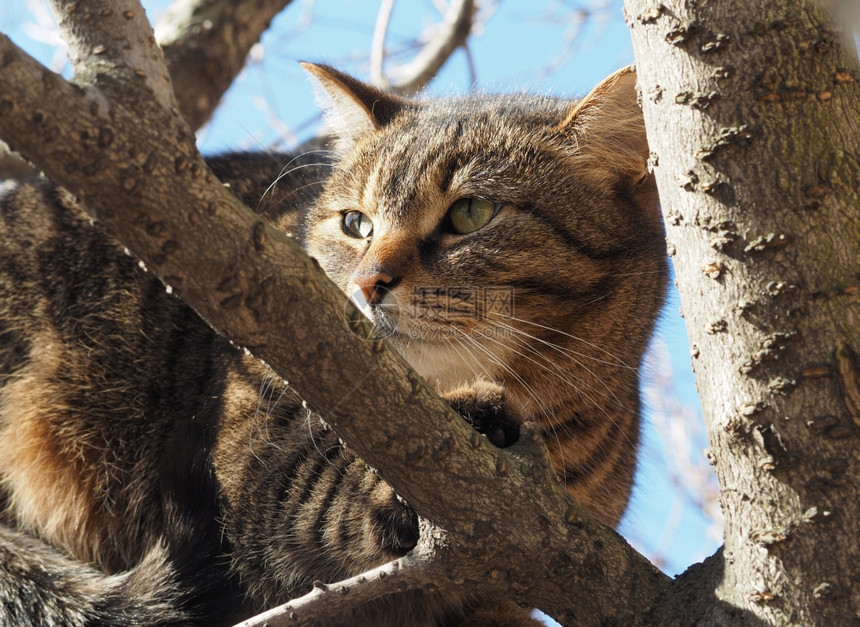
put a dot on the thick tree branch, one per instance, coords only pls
(136, 167)
(206, 43)
(110, 41)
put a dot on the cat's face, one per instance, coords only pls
(482, 239)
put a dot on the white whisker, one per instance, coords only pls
(562, 373)
(616, 361)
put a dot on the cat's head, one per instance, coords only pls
(516, 237)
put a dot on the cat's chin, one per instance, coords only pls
(443, 365)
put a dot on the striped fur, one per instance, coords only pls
(150, 473)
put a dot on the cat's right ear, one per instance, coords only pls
(352, 108)
(609, 130)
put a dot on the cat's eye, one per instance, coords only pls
(356, 224)
(470, 214)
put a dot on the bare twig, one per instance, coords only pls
(427, 567)
(327, 600)
(412, 77)
(470, 62)
(377, 45)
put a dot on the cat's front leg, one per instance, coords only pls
(485, 405)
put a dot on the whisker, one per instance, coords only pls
(552, 367)
(616, 360)
(276, 201)
(563, 375)
(506, 368)
(559, 371)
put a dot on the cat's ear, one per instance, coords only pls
(352, 108)
(608, 128)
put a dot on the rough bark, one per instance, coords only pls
(753, 116)
(115, 138)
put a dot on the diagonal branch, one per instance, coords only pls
(514, 526)
(426, 567)
(98, 33)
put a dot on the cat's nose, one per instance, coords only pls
(374, 285)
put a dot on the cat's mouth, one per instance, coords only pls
(446, 346)
(385, 315)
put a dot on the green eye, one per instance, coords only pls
(356, 224)
(470, 214)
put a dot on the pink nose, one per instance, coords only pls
(373, 286)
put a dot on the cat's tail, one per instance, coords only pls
(39, 585)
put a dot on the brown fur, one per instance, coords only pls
(150, 473)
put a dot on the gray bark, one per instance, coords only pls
(753, 116)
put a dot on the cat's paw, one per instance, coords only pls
(483, 404)
(395, 524)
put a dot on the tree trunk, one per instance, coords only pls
(753, 116)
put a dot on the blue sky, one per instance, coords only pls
(271, 106)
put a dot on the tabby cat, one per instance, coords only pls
(152, 474)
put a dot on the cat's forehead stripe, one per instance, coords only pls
(369, 191)
(408, 178)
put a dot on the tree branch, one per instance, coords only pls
(98, 34)
(377, 44)
(411, 78)
(427, 567)
(135, 165)
(206, 43)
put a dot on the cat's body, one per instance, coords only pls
(151, 473)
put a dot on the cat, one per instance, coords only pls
(510, 247)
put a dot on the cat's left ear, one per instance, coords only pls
(608, 128)
(352, 108)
